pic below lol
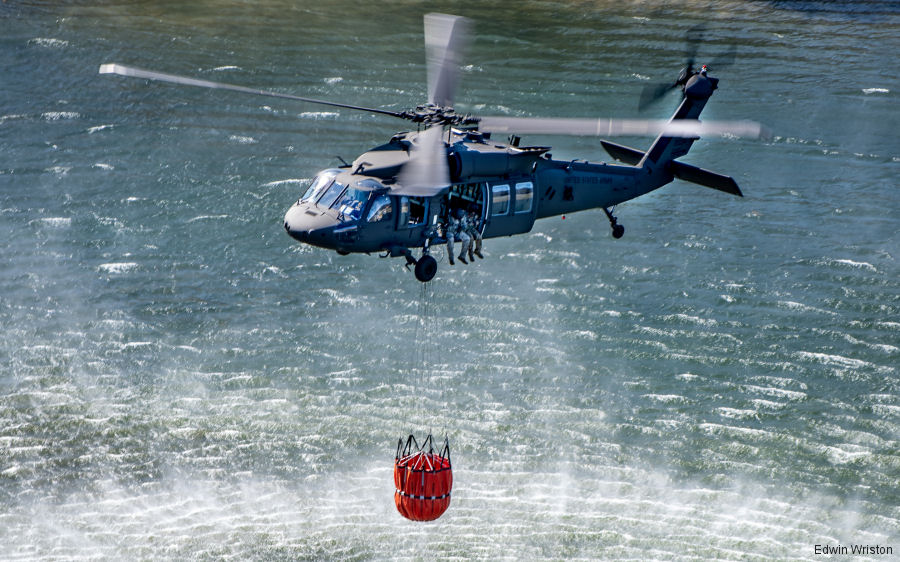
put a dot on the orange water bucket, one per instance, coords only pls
(423, 479)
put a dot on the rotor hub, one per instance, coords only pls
(431, 114)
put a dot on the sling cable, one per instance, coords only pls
(423, 478)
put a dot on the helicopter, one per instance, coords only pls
(400, 196)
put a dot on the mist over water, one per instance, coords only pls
(179, 379)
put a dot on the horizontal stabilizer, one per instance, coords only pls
(703, 177)
(680, 170)
(622, 153)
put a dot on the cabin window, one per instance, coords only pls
(412, 212)
(380, 210)
(524, 195)
(499, 199)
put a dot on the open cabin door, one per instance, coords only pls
(469, 197)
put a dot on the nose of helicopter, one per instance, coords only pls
(309, 224)
(295, 223)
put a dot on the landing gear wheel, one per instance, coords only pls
(426, 267)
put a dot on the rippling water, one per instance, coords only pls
(181, 380)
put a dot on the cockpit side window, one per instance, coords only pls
(380, 210)
(351, 203)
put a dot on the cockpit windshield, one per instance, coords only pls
(326, 192)
(319, 184)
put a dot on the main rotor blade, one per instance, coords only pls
(445, 39)
(652, 93)
(621, 127)
(724, 60)
(427, 173)
(123, 70)
(693, 38)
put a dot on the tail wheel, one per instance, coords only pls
(617, 229)
(426, 267)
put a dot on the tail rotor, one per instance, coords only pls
(652, 93)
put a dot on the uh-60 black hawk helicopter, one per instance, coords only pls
(398, 196)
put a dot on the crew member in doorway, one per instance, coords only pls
(456, 230)
(473, 232)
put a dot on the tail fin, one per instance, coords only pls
(697, 91)
(660, 158)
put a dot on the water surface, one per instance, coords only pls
(181, 380)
